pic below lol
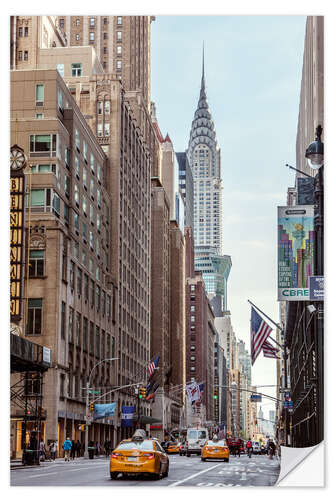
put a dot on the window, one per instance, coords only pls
(84, 204)
(84, 232)
(119, 35)
(70, 324)
(105, 20)
(98, 297)
(99, 129)
(26, 31)
(91, 36)
(119, 50)
(84, 258)
(99, 173)
(71, 274)
(76, 69)
(66, 214)
(77, 167)
(63, 320)
(98, 222)
(192, 319)
(107, 107)
(92, 22)
(39, 94)
(98, 344)
(78, 329)
(192, 308)
(43, 145)
(106, 129)
(56, 204)
(77, 22)
(61, 69)
(76, 195)
(77, 37)
(85, 334)
(79, 281)
(103, 302)
(98, 197)
(85, 150)
(84, 177)
(36, 263)
(76, 250)
(62, 23)
(92, 215)
(91, 239)
(108, 306)
(20, 31)
(100, 107)
(86, 286)
(26, 55)
(19, 57)
(105, 50)
(119, 65)
(77, 139)
(42, 169)
(119, 20)
(67, 185)
(91, 266)
(92, 293)
(91, 338)
(92, 163)
(92, 188)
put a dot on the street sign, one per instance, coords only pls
(94, 392)
(256, 398)
(316, 287)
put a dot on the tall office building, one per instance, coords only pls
(205, 161)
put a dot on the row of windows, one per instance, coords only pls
(26, 55)
(26, 31)
(92, 22)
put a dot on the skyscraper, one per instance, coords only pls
(205, 161)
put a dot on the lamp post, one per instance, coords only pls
(87, 404)
(315, 157)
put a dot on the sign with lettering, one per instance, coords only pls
(316, 287)
(16, 244)
(296, 239)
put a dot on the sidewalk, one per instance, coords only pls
(17, 463)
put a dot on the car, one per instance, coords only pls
(195, 439)
(256, 448)
(139, 455)
(173, 447)
(215, 449)
(182, 451)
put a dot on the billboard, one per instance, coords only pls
(296, 238)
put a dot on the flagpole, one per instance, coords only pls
(270, 319)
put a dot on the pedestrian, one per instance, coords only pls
(53, 450)
(91, 448)
(271, 448)
(67, 446)
(42, 450)
(73, 450)
(249, 447)
(78, 448)
(99, 448)
(107, 447)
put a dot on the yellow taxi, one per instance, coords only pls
(139, 455)
(215, 448)
(173, 447)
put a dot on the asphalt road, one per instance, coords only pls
(184, 471)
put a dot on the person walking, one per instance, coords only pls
(67, 446)
(73, 450)
(249, 448)
(42, 450)
(271, 449)
(78, 448)
(53, 450)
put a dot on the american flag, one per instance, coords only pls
(260, 330)
(269, 350)
(152, 366)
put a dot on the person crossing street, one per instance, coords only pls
(249, 448)
(67, 446)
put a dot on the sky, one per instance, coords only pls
(253, 78)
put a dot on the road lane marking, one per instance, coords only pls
(42, 475)
(194, 475)
(65, 469)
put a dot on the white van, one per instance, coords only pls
(195, 439)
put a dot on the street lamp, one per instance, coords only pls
(315, 157)
(87, 404)
(315, 152)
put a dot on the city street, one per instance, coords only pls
(184, 471)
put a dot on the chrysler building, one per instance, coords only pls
(204, 158)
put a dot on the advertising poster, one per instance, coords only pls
(295, 251)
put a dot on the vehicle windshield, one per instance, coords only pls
(137, 445)
(221, 442)
(202, 435)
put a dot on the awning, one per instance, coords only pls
(144, 419)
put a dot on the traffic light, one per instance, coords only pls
(142, 393)
(92, 407)
(216, 393)
(81, 427)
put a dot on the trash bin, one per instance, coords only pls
(91, 450)
(30, 457)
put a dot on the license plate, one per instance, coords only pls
(216, 450)
(132, 459)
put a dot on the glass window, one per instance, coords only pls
(99, 129)
(91, 338)
(56, 204)
(106, 129)
(71, 274)
(20, 32)
(20, 55)
(84, 231)
(99, 173)
(92, 188)
(84, 176)
(119, 49)
(34, 324)
(107, 107)
(77, 22)
(42, 143)
(92, 22)
(76, 194)
(85, 150)
(76, 250)
(40, 92)
(84, 204)
(60, 100)
(92, 163)
(77, 167)
(92, 293)
(36, 263)
(118, 64)
(85, 334)
(26, 31)
(86, 286)
(98, 197)
(91, 239)
(118, 35)
(98, 222)
(91, 36)
(77, 139)
(76, 69)
(100, 107)
(78, 329)
(26, 57)
(79, 281)
(70, 324)
(119, 20)
(92, 215)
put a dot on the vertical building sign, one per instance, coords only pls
(18, 162)
(296, 239)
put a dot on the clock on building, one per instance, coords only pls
(18, 159)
